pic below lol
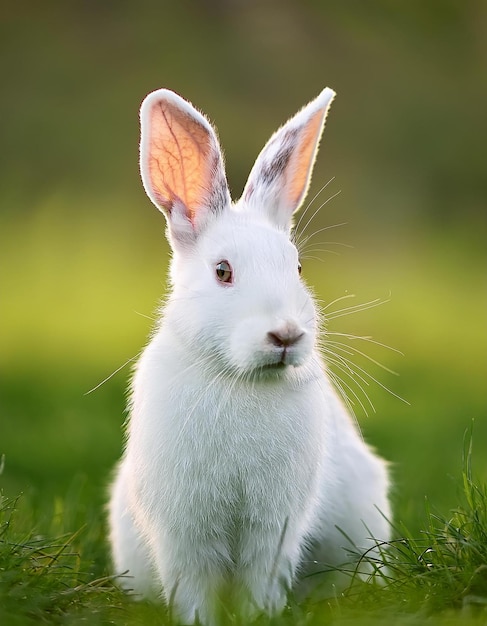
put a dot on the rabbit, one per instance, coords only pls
(242, 469)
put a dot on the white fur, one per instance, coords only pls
(241, 464)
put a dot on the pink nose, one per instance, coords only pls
(285, 337)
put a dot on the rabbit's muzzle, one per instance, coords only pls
(283, 343)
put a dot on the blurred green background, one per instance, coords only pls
(83, 256)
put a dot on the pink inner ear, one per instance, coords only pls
(178, 158)
(302, 160)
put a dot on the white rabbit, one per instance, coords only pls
(242, 467)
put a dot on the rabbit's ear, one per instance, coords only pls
(181, 163)
(279, 180)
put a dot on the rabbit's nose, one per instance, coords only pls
(284, 337)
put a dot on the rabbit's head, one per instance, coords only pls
(237, 296)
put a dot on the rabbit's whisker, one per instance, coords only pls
(356, 308)
(317, 258)
(367, 339)
(303, 240)
(131, 360)
(348, 364)
(338, 345)
(303, 230)
(329, 304)
(329, 199)
(308, 206)
(149, 317)
(319, 247)
(348, 371)
(357, 367)
(340, 386)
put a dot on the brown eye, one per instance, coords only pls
(299, 267)
(223, 272)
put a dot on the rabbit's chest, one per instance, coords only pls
(235, 451)
(244, 430)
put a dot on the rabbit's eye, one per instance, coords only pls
(224, 272)
(299, 267)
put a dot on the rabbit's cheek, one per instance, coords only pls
(244, 346)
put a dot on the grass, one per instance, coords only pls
(436, 576)
(444, 567)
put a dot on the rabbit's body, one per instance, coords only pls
(240, 462)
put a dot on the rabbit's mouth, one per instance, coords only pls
(282, 361)
(289, 355)
(271, 371)
(269, 367)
